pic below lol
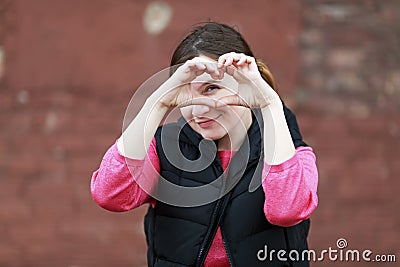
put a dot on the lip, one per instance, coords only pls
(208, 122)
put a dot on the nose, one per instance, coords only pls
(200, 110)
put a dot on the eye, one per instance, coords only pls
(210, 88)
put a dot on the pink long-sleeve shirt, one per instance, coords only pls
(290, 188)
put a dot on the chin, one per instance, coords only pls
(212, 135)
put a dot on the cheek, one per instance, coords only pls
(234, 113)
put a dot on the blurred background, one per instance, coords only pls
(69, 68)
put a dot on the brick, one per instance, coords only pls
(343, 58)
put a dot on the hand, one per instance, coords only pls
(253, 90)
(176, 91)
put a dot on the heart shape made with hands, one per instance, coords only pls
(244, 81)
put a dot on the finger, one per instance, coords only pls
(221, 73)
(235, 58)
(212, 69)
(235, 73)
(238, 57)
(200, 66)
(196, 63)
(206, 101)
(221, 61)
(231, 100)
(209, 64)
(215, 75)
(242, 60)
(251, 62)
(225, 59)
(230, 70)
(228, 61)
(197, 68)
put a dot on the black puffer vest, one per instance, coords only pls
(181, 235)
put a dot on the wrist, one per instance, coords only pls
(274, 103)
(266, 91)
(155, 105)
(275, 106)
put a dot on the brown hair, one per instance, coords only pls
(214, 39)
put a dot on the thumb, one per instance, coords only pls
(203, 101)
(231, 100)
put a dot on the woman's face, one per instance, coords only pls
(214, 123)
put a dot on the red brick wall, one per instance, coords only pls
(70, 68)
(349, 100)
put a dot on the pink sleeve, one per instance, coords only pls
(290, 188)
(122, 184)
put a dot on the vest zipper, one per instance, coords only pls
(211, 233)
(216, 217)
(227, 249)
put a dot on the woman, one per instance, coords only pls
(201, 175)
